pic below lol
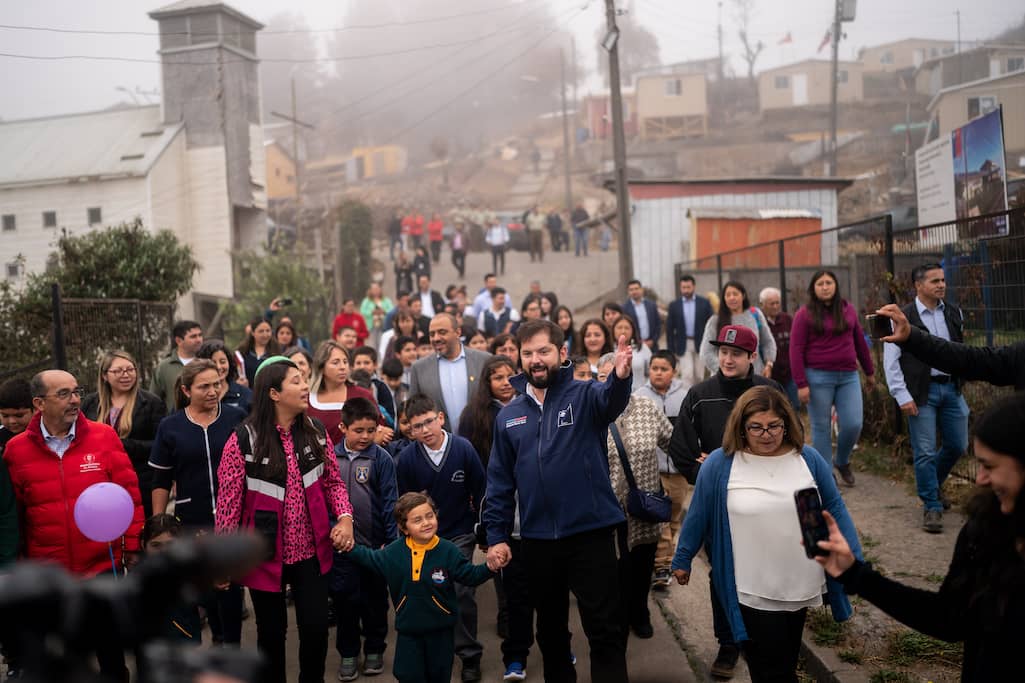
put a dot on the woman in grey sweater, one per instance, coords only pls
(736, 309)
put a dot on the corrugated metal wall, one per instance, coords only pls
(661, 230)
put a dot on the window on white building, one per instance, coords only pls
(94, 215)
(13, 270)
(984, 104)
(782, 82)
(887, 58)
(674, 87)
(841, 76)
(49, 219)
(1015, 64)
(9, 222)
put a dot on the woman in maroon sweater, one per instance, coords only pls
(331, 387)
(826, 345)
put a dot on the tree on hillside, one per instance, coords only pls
(752, 49)
(356, 226)
(638, 49)
(121, 262)
(265, 277)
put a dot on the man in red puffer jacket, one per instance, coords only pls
(57, 457)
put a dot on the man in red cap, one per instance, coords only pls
(698, 432)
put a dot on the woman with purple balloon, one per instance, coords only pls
(186, 453)
(279, 478)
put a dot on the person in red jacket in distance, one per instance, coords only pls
(59, 455)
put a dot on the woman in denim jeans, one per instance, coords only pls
(826, 345)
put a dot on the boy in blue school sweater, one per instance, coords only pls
(421, 571)
(447, 468)
(360, 595)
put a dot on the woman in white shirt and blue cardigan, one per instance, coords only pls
(743, 511)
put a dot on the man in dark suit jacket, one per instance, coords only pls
(432, 301)
(644, 312)
(449, 376)
(684, 326)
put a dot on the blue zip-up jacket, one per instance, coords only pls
(556, 460)
(708, 523)
(370, 480)
(188, 455)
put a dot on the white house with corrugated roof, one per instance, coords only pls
(194, 164)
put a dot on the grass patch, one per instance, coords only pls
(868, 542)
(890, 676)
(908, 647)
(824, 629)
(882, 461)
(935, 578)
(851, 656)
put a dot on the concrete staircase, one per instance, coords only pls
(525, 192)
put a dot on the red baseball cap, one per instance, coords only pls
(738, 337)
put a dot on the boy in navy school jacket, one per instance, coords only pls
(360, 596)
(420, 570)
(447, 468)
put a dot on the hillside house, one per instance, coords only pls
(957, 105)
(986, 61)
(808, 83)
(595, 117)
(901, 55)
(672, 105)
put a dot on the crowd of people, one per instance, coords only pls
(437, 424)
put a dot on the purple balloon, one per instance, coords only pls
(104, 512)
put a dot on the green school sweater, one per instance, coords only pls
(427, 601)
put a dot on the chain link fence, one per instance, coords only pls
(81, 330)
(983, 258)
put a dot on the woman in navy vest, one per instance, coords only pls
(279, 478)
(185, 455)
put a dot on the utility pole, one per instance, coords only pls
(565, 135)
(720, 45)
(960, 74)
(835, 86)
(296, 122)
(573, 63)
(611, 43)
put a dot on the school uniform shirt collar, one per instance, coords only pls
(437, 455)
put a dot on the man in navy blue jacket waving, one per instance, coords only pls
(549, 451)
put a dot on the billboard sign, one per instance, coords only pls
(964, 175)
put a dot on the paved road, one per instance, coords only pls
(577, 281)
(657, 660)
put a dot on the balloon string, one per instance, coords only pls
(113, 564)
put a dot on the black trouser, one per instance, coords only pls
(362, 613)
(224, 614)
(459, 261)
(435, 250)
(467, 645)
(536, 245)
(498, 254)
(553, 237)
(584, 563)
(773, 645)
(519, 611)
(720, 623)
(635, 567)
(309, 591)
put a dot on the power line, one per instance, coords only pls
(352, 27)
(284, 60)
(449, 101)
(410, 76)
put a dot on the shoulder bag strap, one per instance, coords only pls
(627, 471)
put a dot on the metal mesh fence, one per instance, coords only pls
(93, 326)
(983, 259)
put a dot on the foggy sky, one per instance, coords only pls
(686, 30)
